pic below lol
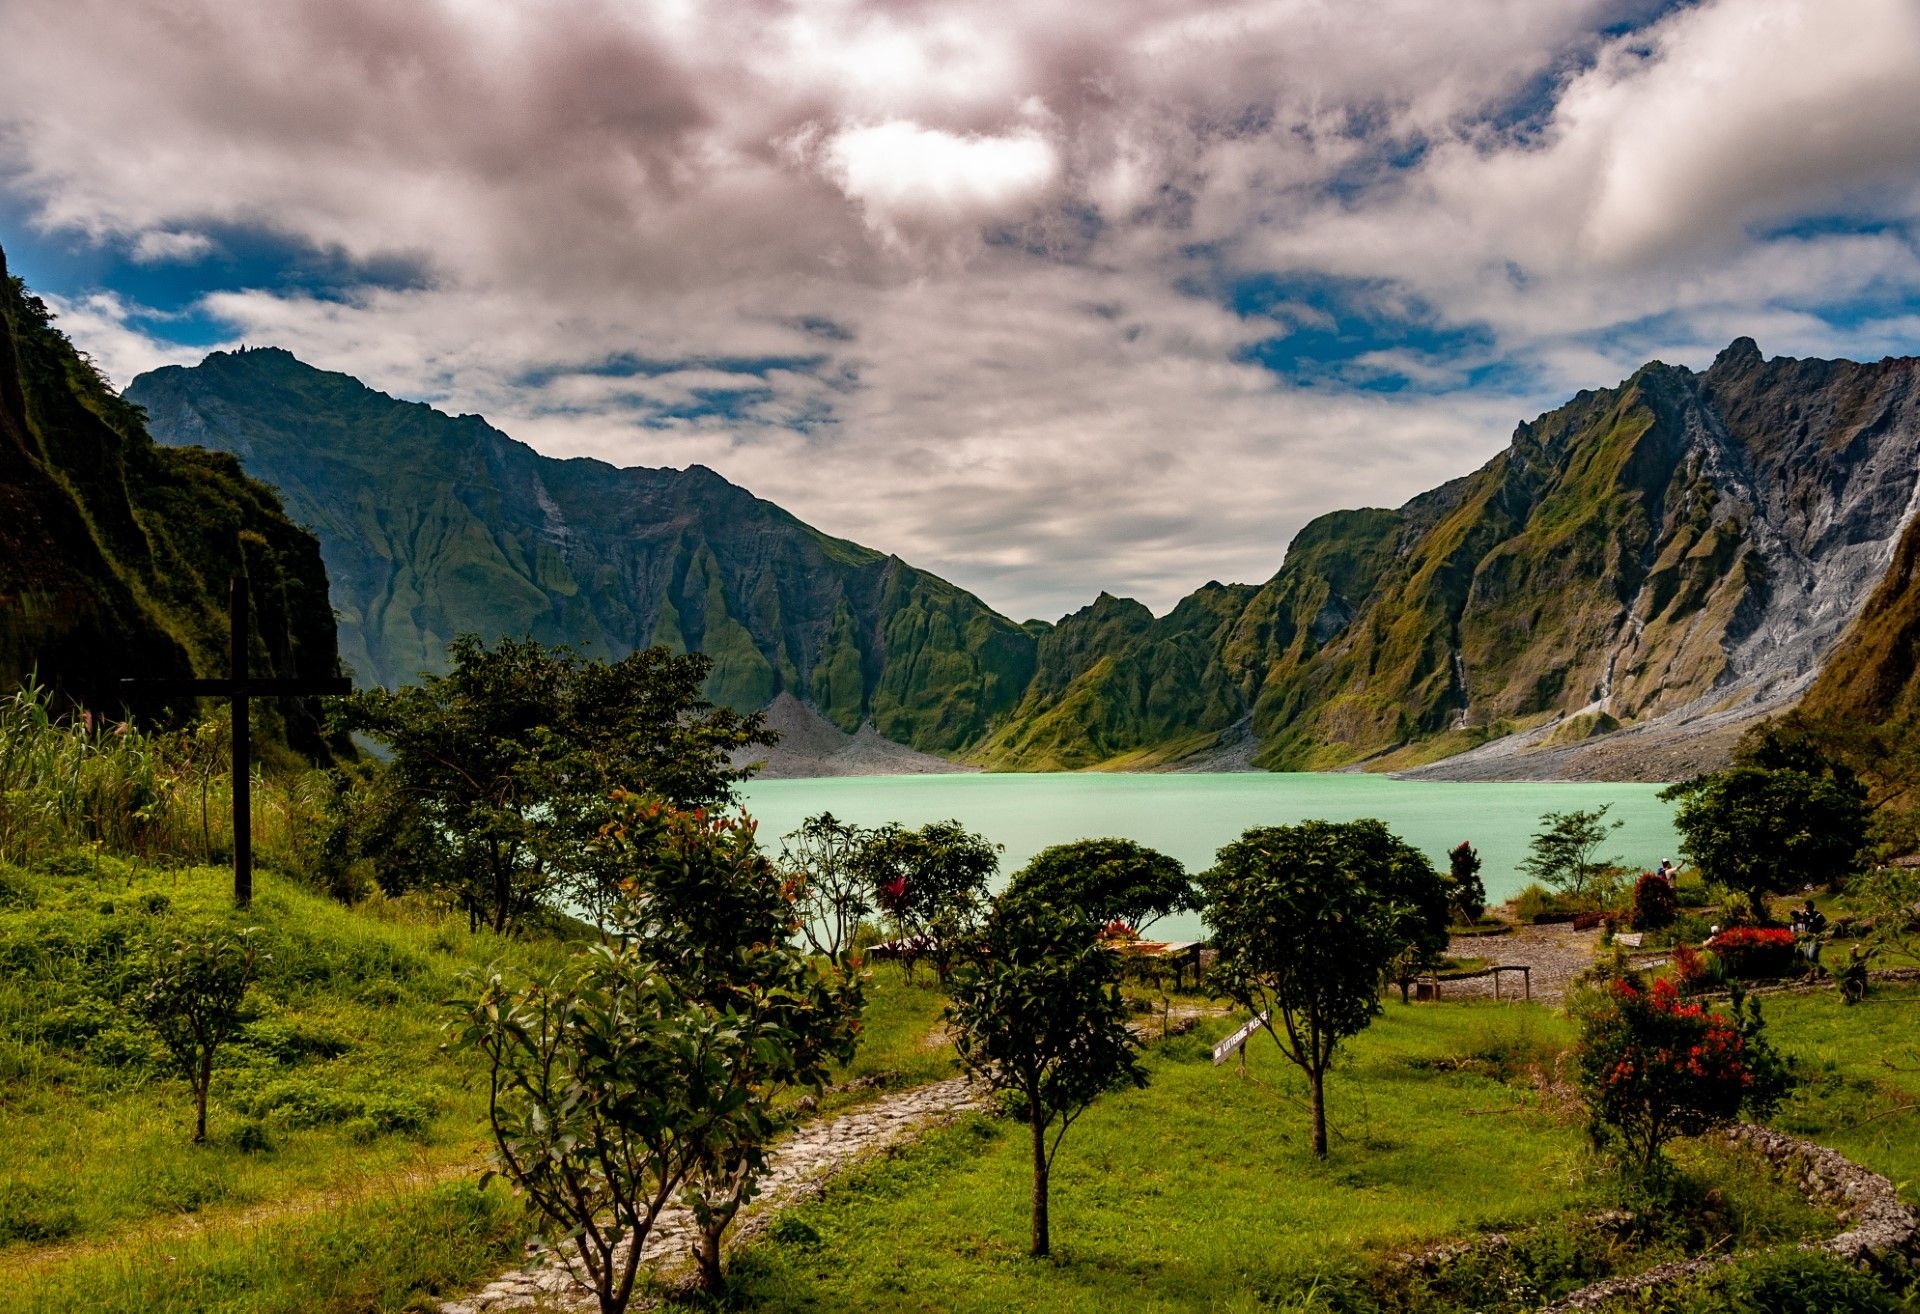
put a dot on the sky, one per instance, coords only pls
(1048, 298)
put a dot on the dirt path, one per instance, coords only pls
(800, 1164)
(1557, 953)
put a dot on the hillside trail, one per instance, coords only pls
(554, 1282)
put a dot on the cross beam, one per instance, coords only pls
(240, 689)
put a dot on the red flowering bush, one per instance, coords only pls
(1118, 930)
(1693, 968)
(1653, 1068)
(1754, 951)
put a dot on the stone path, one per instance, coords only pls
(799, 1166)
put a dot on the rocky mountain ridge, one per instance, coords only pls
(1643, 571)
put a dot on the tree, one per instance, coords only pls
(1306, 921)
(1653, 1068)
(606, 1086)
(1109, 879)
(820, 859)
(1562, 853)
(1783, 817)
(1469, 892)
(697, 893)
(500, 770)
(1037, 1013)
(190, 990)
(931, 884)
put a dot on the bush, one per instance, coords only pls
(1538, 904)
(1653, 1068)
(1754, 952)
(1654, 904)
(1694, 969)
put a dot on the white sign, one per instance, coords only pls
(1237, 1040)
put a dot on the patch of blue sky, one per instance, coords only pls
(166, 293)
(627, 365)
(1364, 334)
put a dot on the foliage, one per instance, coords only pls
(607, 1084)
(1110, 880)
(500, 770)
(820, 859)
(1654, 905)
(190, 989)
(1693, 969)
(1037, 1014)
(1784, 815)
(700, 897)
(1469, 892)
(1305, 920)
(1753, 951)
(1536, 903)
(1562, 853)
(930, 884)
(1888, 899)
(1653, 1068)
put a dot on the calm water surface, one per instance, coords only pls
(1191, 816)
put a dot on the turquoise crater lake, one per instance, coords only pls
(1191, 816)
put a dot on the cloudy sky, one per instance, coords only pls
(1047, 297)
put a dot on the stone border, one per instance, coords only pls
(1881, 1223)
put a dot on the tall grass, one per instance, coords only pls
(86, 782)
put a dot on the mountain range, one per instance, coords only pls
(115, 554)
(1647, 566)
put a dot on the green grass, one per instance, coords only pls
(1860, 1070)
(336, 1103)
(1200, 1192)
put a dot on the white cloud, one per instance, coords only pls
(159, 247)
(909, 179)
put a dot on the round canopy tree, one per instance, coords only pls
(1109, 880)
(1307, 920)
(1783, 816)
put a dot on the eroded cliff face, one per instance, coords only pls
(435, 525)
(115, 554)
(1677, 551)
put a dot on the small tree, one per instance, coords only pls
(191, 990)
(820, 859)
(931, 884)
(1469, 892)
(1037, 1013)
(1108, 879)
(1653, 1068)
(699, 894)
(1655, 906)
(1563, 851)
(1307, 920)
(607, 1087)
(1783, 817)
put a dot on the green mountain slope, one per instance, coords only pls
(434, 525)
(115, 554)
(1683, 545)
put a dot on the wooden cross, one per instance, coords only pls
(240, 689)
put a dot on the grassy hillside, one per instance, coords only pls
(115, 554)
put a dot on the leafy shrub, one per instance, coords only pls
(1694, 969)
(16, 888)
(1654, 905)
(1778, 1282)
(1652, 1067)
(1751, 952)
